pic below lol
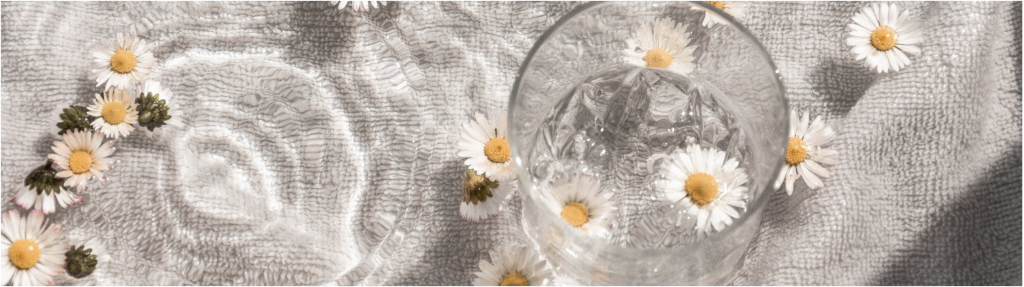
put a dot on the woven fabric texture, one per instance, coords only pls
(320, 145)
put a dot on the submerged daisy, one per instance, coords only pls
(122, 62)
(482, 197)
(43, 190)
(661, 45)
(359, 5)
(512, 266)
(883, 36)
(706, 186)
(579, 201)
(33, 249)
(81, 155)
(804, 155)
(114, 112)
(485, 145)
(733, 8)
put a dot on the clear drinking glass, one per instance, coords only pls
(577, 107)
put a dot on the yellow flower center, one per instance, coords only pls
(883, 38)
(717, 4)
(796, 152)
(123, 61)
(575, 213)
(114, 112)
(658, 58)
(702, 188)
(80, 161)
(513, 279)
(24, 253)
(497, 150)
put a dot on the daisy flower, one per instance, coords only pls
(82, 260)
(80, 156)
(122, 62)
(883, 36)
(512, 266)
(579, 201)
(804, 155)
(114, 112)
(157, 108)
(485, 145)
(482, 197)
(33, 249)
(359, 5)
(734, 9)
(661, 45)
(44, 191)
(706, 186)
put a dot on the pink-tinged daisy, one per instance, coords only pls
(32, 248)
(43, 190)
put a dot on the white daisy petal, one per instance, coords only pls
(791, 178)
(883, 15)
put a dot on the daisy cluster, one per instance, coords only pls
(34, 247)
(708, 185)
(486, 191)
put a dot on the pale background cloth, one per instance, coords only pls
(320, 145)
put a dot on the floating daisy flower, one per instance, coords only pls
(482, 197)
(122, 62)
(44, 191)
(661, 45)
(33, 249)
(733, 8)
(485, 145)
(114, 112)
(579, 201)
(359, 5)
(81, 155)
(82, 260)
(804, 155)
(157, 108)
(706, 186)
(882, 36)
(70, 118)
(512, 266)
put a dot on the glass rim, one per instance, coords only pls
(755, 204)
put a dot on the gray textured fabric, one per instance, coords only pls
(320, 145)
